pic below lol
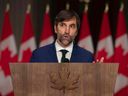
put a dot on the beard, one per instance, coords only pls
(65, 39)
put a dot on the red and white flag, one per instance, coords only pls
(28, 43)
(105, 43)
(47, 34)
(121, 55)
(8, 54)
(85, 39)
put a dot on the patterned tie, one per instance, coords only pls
(64, 59)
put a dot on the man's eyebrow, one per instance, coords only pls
(62, 23)
(73, 24)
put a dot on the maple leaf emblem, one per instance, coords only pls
(121, 59)
(64, 80)
(5, 59)
(119, 54)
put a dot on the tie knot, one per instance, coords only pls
(63, 51)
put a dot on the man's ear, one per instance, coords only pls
(55, 29)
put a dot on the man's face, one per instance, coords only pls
(66, 31)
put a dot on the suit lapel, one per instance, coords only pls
(52, 53)
(74, 54)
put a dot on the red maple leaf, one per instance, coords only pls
(119, 54)
(5, 60)
(26, 55)
(121, 59)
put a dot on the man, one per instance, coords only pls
(64, 49)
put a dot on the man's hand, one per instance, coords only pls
(99, 61)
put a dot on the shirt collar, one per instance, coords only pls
(68, 48)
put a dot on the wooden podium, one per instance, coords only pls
(74, 79)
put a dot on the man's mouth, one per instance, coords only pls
(66, 36)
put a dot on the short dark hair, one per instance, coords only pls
(65, 15)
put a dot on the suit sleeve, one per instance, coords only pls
(91, 58)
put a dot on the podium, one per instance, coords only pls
(71, 79)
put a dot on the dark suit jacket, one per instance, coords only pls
(48, 54)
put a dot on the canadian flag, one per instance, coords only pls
(46, 35)
(8, 54)
(121, 55)
(85, 39)
(105, 44)
(28, 43)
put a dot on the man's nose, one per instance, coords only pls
(67, 30)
